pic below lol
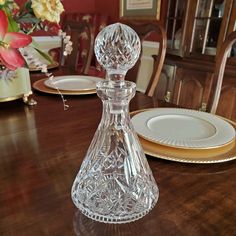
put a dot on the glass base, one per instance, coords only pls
(114, 220)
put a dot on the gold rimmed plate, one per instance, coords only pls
(73, 82)
(217, 155)
(40, 86)
(199, 156)
(183, 128)
(53, 65)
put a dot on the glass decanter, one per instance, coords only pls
(115, 183)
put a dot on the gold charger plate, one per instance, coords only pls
(53, 65)
(40, 86)
(201, 156)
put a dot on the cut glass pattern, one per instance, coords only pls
(117, 48)
(115, 183)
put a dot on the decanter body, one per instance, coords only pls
(115, 183)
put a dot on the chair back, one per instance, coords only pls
(97, 22)
(145, 31)
(219, 70)
(80, 55)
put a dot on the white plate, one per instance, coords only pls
(73, 82)
(183, 128)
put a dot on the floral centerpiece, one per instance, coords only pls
(16, 25)
(17, 47)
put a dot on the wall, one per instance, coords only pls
(108, 7)
(111, 8)
(83, 6)
(146, 67)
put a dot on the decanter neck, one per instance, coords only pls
(116, 78)
(116, 115)
(115, 97)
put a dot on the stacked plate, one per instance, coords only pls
(49, 66)
(68, 85)
(185, 135)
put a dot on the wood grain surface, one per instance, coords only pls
(42, 148)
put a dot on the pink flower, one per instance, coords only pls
(10, 42)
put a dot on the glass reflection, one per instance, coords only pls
(85, 226)
(11, 128)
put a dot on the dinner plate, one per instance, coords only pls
(50, 66)
(72, 82)
(198, 156)
(183, 128)
(40, 86)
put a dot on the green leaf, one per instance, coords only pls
(12, 25)
(28, 5)
(43, 54)
(28, 19)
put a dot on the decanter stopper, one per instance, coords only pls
(117, 49)
(115, 183)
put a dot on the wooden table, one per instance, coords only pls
(41, 150)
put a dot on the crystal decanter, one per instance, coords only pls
(115, 183)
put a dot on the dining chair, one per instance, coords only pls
(80, 58)
(150, 32)
(96, 23)
(217, 82)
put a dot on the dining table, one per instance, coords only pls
(42, 148)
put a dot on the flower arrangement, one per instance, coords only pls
(16, 25)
